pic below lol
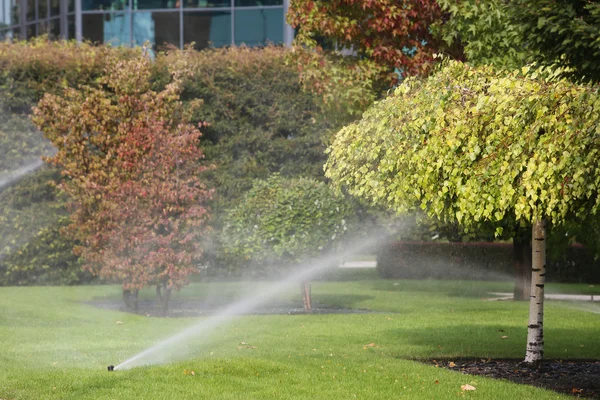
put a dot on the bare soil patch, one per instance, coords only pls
(580, 378)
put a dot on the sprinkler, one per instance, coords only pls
(111, 368)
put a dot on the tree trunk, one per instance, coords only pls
(535, 328)
(522, 264)
(130, 298)
(306, 296)
(163, 295)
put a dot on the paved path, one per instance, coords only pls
(567, 297)
(359, 264)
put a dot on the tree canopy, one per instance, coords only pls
(513, 33)
(472, 144)
(132, 166)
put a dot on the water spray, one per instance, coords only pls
(15, 175)
(157, 353)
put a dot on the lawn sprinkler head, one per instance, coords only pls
(111, 368)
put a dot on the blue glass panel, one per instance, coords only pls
(158, 28)
(207, 29)
(110, 28)
(155, 4)
(206, 3)
(5, 14)
(255, 3)
(259, 27)
(108, 5)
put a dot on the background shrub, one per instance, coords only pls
(282, 222)
(478, 260)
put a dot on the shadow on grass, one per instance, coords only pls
(450, 288)
(491, 341)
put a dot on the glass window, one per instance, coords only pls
(158, 28)
(72, 5)
(30, 31)
(16, 12)
(5, 15)
(109, 5)
(30, 11)
(207, 29)
(109, 28)
(155, 4)
(42, 9)
(259, 27)
(206, 3)
(71, 27)
(255, 3)
(54, 28)
(43, 28)
(54, 8)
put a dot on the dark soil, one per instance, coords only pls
(202, 308)
(580, 378)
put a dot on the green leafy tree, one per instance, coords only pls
(513, 33)
(471, 145)
(283, 222)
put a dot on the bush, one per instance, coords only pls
(478, 260)
(282, 222)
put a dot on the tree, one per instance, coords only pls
(470, 145)
(376, 42)
(511, 34)
(284, 222)
(131, 167)
(393, 33)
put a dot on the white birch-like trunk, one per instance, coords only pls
(535, 327)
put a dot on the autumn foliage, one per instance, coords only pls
(393, 35)
(132, 175)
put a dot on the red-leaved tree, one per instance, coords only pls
(132, 165)
(388, 37)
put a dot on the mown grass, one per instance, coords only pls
(56, 346)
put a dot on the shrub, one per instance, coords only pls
(478, 260)
(282, 222)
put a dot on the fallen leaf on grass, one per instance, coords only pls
(119, 322)
(437, 382)
(370, 345)
(467, 387)
(188, 372)
(504, 337)
(451, 364)
(246, 347)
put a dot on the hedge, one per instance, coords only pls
(478, 260)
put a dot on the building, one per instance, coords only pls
(207, 23)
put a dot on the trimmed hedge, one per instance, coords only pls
(477, 260)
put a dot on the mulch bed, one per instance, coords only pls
(201, 309)
(580, 378)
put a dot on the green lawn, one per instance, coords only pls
(55, 346)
